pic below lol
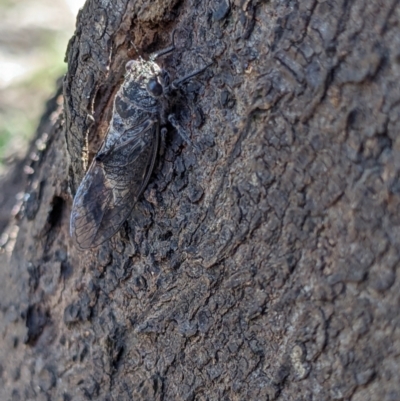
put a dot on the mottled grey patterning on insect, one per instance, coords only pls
(121, 170)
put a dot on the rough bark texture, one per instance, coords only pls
(264, 267)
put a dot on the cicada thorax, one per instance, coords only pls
(140, 97)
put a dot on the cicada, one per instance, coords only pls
(121, 170)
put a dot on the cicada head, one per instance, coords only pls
(146, 77)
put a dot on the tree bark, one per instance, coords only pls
(263, 267)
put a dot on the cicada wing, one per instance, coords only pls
(131, 145)
(109, 190)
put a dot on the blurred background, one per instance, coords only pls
(33, 41)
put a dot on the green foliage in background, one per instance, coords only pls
(40, 47)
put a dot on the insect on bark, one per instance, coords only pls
(120, 171)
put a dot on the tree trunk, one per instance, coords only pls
(261, 268)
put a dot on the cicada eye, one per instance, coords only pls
(154, 87)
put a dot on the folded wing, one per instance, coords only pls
(111, 187)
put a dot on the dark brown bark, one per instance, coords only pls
(262, 268)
